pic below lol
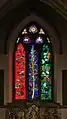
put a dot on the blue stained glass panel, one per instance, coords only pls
(33, 74)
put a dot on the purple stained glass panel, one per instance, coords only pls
(26, 40)
(39, 40)
(33, 29)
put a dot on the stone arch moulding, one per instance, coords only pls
(12, 38)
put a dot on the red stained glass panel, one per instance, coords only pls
(20, 72)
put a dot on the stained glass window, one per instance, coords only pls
(33, 64)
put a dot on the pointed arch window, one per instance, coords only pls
(33, 64)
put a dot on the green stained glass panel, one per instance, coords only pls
(46, 73)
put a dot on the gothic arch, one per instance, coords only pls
(12, 38)
(49, 29)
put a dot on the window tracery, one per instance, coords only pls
(33, 67)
